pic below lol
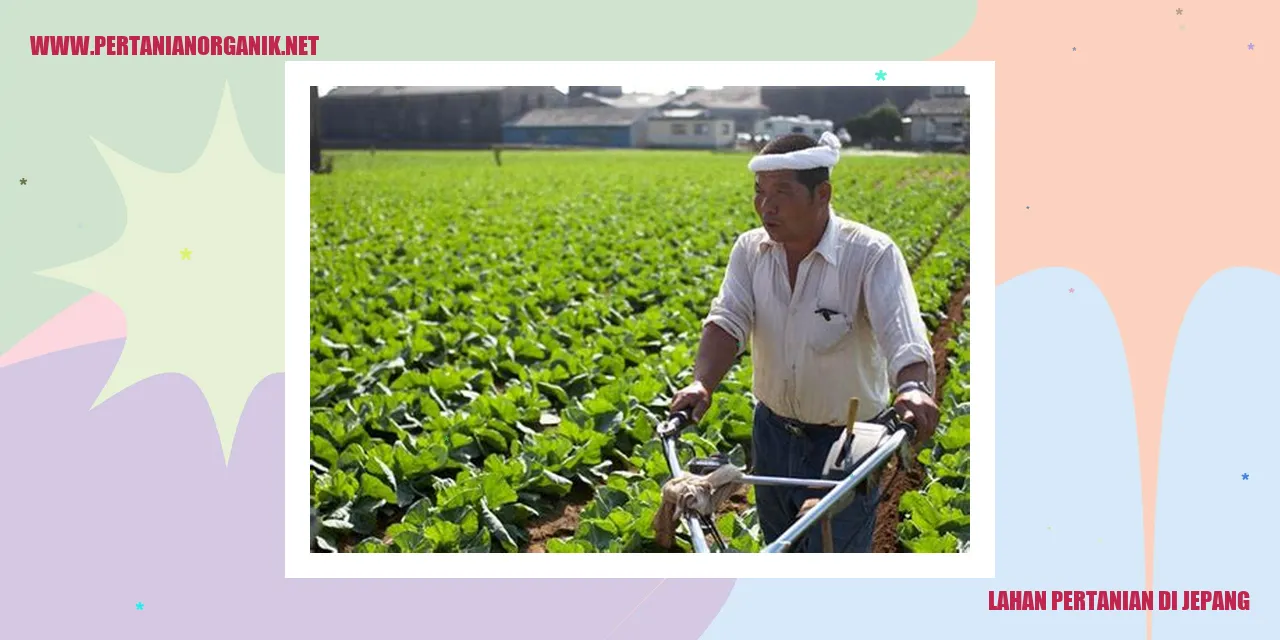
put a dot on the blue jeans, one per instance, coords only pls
(778, 451)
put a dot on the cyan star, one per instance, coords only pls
(139, 605)
(881, 74)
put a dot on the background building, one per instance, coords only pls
(425, 117)
(838, 104)
(315, 128)
(647, 101)
(579, 127)
(742, 105)
(940, 120)
(690, 129)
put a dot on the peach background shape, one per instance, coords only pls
(1136, 164)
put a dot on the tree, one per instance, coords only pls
(885, 122)
(859, 129)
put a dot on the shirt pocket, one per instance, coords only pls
(827, 331)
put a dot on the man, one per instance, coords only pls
(831, 314)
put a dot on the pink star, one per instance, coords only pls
(1071, 290)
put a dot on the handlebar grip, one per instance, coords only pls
(676, 421)
(910, 429)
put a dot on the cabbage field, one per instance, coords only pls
(492, 346)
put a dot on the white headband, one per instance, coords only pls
(826, 154)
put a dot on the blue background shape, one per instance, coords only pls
(1213, 527)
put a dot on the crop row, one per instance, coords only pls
(937, 516)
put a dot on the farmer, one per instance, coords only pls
(831, 313)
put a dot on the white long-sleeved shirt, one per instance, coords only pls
(806, 367)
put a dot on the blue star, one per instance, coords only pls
(1073, 48)
(139, 605)
(880, 75)
(1245, 476)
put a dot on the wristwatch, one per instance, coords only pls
(914, 385)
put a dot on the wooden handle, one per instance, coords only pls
(853, 413)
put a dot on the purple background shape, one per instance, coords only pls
(131, 502)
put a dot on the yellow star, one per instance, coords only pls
(217, 322)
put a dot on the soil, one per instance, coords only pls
(894, 482)
(560, 521)
(737, 502)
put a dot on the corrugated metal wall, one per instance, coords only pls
(428, 120)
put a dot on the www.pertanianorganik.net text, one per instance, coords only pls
(174, 45)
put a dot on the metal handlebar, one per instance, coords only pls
(836, 498)
(668, 431)
(675, 423)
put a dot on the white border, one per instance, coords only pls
(978, 77)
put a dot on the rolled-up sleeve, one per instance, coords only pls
(894, 312)
(733, 309)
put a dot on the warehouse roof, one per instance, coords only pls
(367, 92)
(723, 98)
(579, 117)
(634, 100)
(938, 107)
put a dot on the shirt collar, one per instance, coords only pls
(827, 244)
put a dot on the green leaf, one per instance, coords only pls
(371, 545)
(497, 529)
(553, 392)
(555, 545)
(443, 534)
(337, 486)
(497, 491)
(323, 450)
(371, 486)
(956, 436)
(932, 543)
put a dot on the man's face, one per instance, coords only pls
(787, 209)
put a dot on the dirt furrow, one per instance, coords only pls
(894, 483)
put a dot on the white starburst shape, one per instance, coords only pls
(198, 272)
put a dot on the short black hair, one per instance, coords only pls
(810, 178)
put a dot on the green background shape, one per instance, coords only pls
(159, 112)
(197, 272)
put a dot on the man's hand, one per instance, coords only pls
(695, 397)
(918, 408)
(806, 506)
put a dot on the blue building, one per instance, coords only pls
(578, 127)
